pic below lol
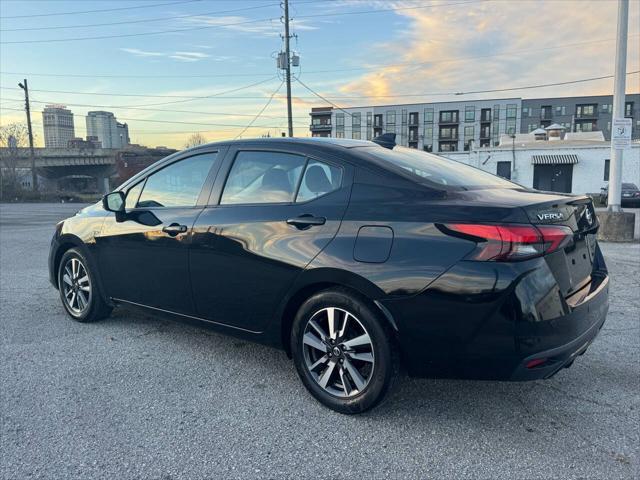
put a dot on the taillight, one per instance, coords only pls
(511, 242)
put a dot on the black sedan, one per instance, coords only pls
(354, 257)
(629, 195)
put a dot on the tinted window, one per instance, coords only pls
(179, 184)
(263, 177)
(319, 179)
(133, 194)
(429, 168)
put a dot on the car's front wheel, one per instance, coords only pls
(79, 290)
(344, 352)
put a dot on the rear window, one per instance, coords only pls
(432, 169)
(629, 186)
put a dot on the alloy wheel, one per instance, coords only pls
(76, 286)
(338, 352)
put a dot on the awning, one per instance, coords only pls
(554, 159)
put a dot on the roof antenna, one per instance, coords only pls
(386, 140)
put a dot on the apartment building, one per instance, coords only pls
(437, 127)
(578, 114)
(57, 122)
(454, 126)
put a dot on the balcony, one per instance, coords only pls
(320, 127)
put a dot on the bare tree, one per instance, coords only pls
(194, 140)
(13, 137)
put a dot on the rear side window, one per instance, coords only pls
(263, 177)
(179, 184)
(319, 179)
(432, 169)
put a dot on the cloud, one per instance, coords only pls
(487, 45)
(180, 56)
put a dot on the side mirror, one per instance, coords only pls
(113, 202)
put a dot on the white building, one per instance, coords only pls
(58, 127)
(104, 126)
(575, 163)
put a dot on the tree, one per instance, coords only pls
(194, 140)
(13, 137)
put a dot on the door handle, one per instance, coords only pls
(174, 229)
(306, 221)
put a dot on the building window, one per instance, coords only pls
(496, 112)
(339, 134)
(449, 133)
(413, 118)
(511, 126)
(339, 119)
(428, 115)
(606, 108)
(586, 110)
(485, 115)
(391, 117)
(628, 109)
(562, 110)
(449, 116)
(356, 119)
(469, 114)
(512, 110)
(369, 118)
(404, 117)
(356, 135)
(532, 127)
(469, 131)
(503, 169)
(526, 112)
(377, 120)
(448, 147)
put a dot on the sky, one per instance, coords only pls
(155, 61)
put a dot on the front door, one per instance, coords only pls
(553, 178)
(143, 254)
(277, 211)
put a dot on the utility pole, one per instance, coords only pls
(34, 176)
(288, 65)
(615, 170)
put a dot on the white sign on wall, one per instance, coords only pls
(621, 133)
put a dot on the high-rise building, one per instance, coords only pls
(104, 126)
(57, 123)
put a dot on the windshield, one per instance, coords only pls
(429, 168)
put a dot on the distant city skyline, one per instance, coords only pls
(390, 52)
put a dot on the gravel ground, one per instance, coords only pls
(137, 397)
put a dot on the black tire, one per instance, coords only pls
(92, 307)
(384, 358)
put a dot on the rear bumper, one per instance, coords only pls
(591, 311)
(488, 321)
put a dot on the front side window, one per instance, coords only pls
(132, 195)
(319, 179)
(177, 185)
(263, 177)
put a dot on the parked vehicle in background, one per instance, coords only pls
(352, 256)
(630, 196)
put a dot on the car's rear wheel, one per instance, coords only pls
(344, 352)
(79, 290)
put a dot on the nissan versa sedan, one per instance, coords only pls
(354, 257)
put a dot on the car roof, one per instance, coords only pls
(315, 141)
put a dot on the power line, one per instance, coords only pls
(261, 111)
(180, 122)
(160, 110)
(321, 97)
(84, 75)
(138, 34)
(144, 20)
(101, 10)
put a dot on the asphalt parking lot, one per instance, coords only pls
(138, 397)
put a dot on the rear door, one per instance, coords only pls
(271, 215)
